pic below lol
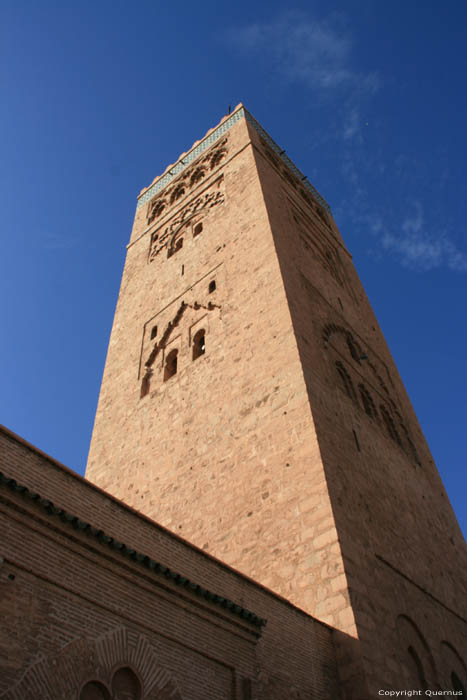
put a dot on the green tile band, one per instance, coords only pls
(212, 138)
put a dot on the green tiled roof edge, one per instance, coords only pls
(211, 138)
(140, 558)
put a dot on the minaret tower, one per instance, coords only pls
(250, 404)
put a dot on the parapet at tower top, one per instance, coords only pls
(226, 123)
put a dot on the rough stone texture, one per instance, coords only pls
(289, 449)
(75, 611)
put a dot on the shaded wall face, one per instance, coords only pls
(78, 615)
(220, 450)
(400, 541)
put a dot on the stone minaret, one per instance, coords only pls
(250, 404)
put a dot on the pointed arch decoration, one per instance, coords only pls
(198, 207)
(390, 425)
(86, 662)
(367, 401)
(186, 182)
(415, 653)
(346, 381)
(454, 668)
(356, 352)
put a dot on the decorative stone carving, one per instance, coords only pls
(197, 176)
(275, 688)
(158, 347)
(94, 690)
(351, 349)
(421, 670)
(217, 157)
(355, 350)
(453, 667)
(166, 236)
(313, 240)
(89, 665)
(178, 192)
(187, 181)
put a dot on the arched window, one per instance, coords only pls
(178, 192)
(170, 364)
(352, 349)
(199, 343)
(410, 447)
(156, 210)
(391, 428)
(175, 247)
(455, 669)
(416, 655)
(457, 684)
(197, 229)
(217, 157)
(94, 691)
(212, 286)
(346, 381)
(417, 668)
(125, 685)
(197, 176)
(146, 383)
(367, 401)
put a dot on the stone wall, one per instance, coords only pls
(288, 447)
(97, 599)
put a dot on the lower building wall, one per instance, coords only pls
(85, 620)
(409, 638)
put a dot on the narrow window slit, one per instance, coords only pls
(356, 440)
(171, 363)
(199, 344)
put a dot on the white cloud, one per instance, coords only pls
(316, 53)
(425, 252)
(419, 248)
(413, 224)
(352, 124)
(412, 242)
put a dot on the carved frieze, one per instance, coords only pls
(186, 182)
(166, 236)
(322, 248)
(370, 385)
(312, 240)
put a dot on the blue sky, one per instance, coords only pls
(369, 100)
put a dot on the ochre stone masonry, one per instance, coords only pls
(289, 449)
(98, 603)
(186, 222)
(250, 405)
